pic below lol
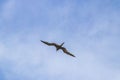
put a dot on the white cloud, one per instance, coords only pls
(24, 57)
(31, 61)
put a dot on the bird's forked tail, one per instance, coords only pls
(62, 44)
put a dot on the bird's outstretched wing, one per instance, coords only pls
(65, 51)
(49, 44)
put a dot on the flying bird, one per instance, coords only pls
(58, 47)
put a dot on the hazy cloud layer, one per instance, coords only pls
(90, 30)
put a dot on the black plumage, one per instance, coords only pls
(58, 47)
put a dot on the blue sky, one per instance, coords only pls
(89, 28)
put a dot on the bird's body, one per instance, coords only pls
(58, 47)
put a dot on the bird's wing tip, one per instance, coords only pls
(41, 40)
(74, 56)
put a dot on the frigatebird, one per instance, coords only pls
(58, 47)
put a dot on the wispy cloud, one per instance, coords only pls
(90, 30)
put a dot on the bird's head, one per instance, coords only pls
(57, 49)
